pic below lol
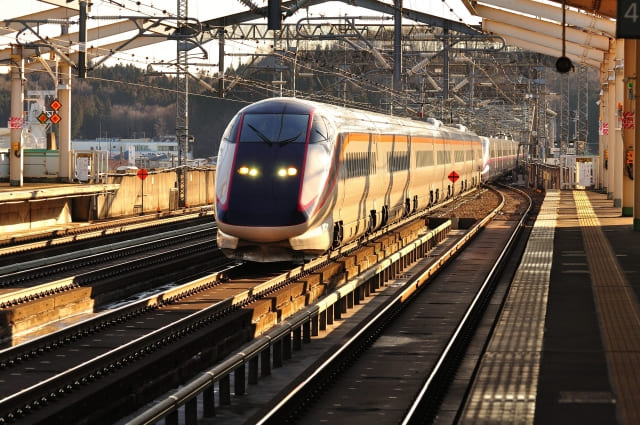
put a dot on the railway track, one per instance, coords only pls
(266, 354)
(16, 253)
(38, 241)
(45, 290)
(162, 339)
(403, 358)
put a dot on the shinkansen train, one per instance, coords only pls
(297, 178)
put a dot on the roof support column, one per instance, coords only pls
(616, 90)
(17, 107)
(636, 169)
(603, 137)
(610, 119)
(628, 134)
(64, 94)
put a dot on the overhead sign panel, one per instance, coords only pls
(628, 19)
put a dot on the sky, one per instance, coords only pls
(209, 9)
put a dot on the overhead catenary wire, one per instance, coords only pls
(360, 83)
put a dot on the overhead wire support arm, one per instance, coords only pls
(187, 32)
(348, 31)
(491, 42)
(26, 23)
(191, 31)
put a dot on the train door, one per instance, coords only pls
(486, 157)
(467, 164)
(432, 169)
(342, 177)
(441, 167)
(376, 182)
(400, 173)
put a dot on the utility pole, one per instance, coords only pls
(182, 102)
(221, 62)
(397, 44)
(16, 160)
(82, 40)
(396, 81)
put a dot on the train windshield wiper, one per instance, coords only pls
(324, 137)
(289, 140)
(261, 135)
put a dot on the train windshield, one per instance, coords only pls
(278, 129)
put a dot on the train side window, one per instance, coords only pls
(424, 158)
(397, 161)
(319, 130)
(358, 164)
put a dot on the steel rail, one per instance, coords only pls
(412, 416)
(88, 256)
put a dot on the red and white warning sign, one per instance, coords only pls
(15, 123)
(628, 120)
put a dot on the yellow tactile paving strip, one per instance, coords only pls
(504, 391)
(618, 312)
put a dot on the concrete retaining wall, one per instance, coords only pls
(23, 216)
(158, 192)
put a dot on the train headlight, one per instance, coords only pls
(290, 171)
(244, 170)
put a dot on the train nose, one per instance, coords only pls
(265, 187)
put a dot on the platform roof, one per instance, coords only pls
(536, 25)
(599, 7)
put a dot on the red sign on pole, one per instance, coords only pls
(453, 176)
(55, 104)
(142, 174)
(15, 123)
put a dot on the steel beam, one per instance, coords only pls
(549, 28)
(543, 40)
(592, 23)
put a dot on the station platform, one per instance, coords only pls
(42, 191)
(566, 348)
(41, 207)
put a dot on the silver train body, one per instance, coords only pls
(296, 178)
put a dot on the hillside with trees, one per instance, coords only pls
(126, 102)
(121, 102)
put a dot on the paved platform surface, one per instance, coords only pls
(41, 191)
(567, 345)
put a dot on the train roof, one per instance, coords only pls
(348, 119)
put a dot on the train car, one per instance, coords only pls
(296, 178)
(500, 155)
